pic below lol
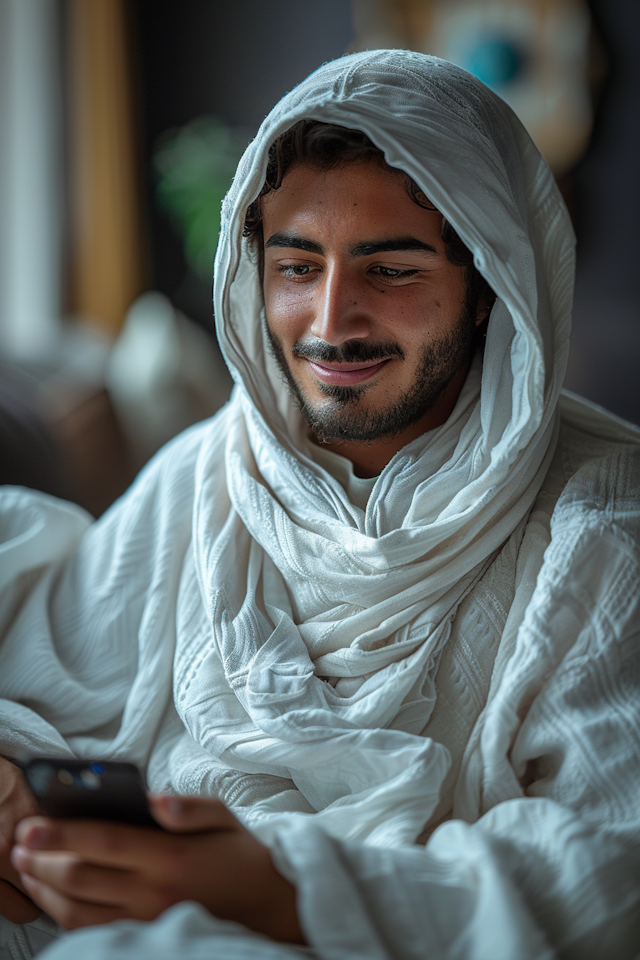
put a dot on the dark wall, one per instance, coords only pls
(605, 354)
(232, 60)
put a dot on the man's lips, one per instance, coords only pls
(343, 374)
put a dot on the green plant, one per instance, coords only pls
(195, 167)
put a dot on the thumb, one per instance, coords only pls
(191, 814)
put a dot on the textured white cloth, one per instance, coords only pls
(319, 588)
(358, 674)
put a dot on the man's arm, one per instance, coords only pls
(529, 881)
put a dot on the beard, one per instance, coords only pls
(341, 415)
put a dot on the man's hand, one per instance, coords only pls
(85, 872)
(16, 802)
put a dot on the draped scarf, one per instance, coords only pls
(309, 656)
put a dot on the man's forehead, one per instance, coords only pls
(370, 209)
(302, 179)
(345, 165)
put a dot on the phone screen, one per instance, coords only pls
(94, 790)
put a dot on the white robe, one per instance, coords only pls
(461, 652)
(541, 726)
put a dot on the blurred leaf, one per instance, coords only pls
(196, 165)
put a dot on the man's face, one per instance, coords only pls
(366, 315)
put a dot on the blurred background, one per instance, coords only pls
(121, 122)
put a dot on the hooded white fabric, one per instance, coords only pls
(321, 589)
(307, 639)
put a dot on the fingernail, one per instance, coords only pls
(37, 838)
(18, 857)
(174, 805)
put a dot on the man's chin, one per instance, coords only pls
(336, 413)
(343, 421)
(339, 413)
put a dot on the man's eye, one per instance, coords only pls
(295, 271)
(390, 273)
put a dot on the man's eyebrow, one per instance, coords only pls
(290, 240)
(392, 245)
(366, 249)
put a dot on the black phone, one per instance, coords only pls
(89, 790)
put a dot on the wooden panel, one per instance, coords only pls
(106, 260)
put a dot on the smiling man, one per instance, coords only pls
(379, 618)
(369, 319)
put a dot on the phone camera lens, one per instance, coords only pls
(40, 773)
(90, 780)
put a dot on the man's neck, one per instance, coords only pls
(370, 458)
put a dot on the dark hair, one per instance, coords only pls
(326, 146)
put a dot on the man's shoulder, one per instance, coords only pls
(586, 524)
(596, 471)
(592, 489)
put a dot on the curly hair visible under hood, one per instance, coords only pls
(326, 146)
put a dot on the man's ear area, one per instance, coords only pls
(483, 310)
(485, 303)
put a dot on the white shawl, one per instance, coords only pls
(301, 585)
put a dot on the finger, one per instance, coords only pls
(97, 841)
(98, 885)
(75, 878)
(143, 850)
(191, 814)
(68, 912)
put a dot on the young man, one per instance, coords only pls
(384, 606)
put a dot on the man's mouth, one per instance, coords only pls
(345, 374)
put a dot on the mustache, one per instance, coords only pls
(352, 351)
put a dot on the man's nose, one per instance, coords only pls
(340, 313)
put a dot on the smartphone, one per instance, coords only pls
(89, 790)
